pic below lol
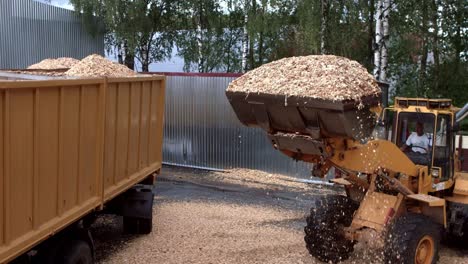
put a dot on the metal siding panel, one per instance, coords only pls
(133, 140)
(47, 151)
(2, 168)
(202, 130)
(123, 117)
(144, 117)
(88, 142)
(70, 126)
(31, 31)
(21, 139)
(110, 128)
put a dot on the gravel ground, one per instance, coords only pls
(213, 217)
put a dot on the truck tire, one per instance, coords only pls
(412, 238)
(76, 252)
(135, 225)
(323, 234)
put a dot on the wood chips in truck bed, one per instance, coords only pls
(326, 77)
(97, 66)
(59, 63)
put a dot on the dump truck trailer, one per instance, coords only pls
(398, 199)
(71, 149)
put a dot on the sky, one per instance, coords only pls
(62, 3)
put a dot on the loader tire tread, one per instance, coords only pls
(403, 235)
(323, 237)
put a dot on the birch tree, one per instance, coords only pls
(325, 8)
(245, 36)
(384, 42)
(135, 28)
(378, 38)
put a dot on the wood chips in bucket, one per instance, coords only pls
(325, 77)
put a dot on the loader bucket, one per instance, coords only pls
(299, 124)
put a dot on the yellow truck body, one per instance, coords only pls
(68, 146)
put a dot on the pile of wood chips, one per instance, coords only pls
(39, 72)
(59, 63)
(97, 66)
(326, 77)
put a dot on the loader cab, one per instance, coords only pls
(412, 121)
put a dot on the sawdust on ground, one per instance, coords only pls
(208, 225)
(325, 77)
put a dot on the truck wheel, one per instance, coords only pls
(129, 225)
(146, 226)
(76, 252)
(135, 225)
(412, 238)
(324, 236)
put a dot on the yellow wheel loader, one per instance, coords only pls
(400, 168)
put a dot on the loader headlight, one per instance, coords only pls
(435, 173)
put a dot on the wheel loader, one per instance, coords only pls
(400, 198)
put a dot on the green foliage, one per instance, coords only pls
(428, 43)
(204, 39)
(436, 30)
(143, 28)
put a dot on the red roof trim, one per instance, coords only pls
(195, 74)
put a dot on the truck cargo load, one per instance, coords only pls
(70, 147)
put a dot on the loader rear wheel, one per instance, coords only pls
(324, 235)
(413, 238)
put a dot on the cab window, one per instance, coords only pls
(384, 129)
(442, 145)
(415, 136)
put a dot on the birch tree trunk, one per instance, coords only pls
(435, 23)
(384, 42)
(251, 53)
(199, 36)
(200, 48)
(324, 26)
(120, 53)
(378, 38)
(129, 57)
(245, 37)
(371, 34)
(425, 49)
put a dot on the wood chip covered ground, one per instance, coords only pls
(325, 77)
(213, 217)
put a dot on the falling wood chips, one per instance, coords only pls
(96, 66)
(325, 77)
(59, 63)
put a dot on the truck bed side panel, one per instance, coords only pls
(51, 165)
(133, 132)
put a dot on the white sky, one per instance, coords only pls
(62, 3)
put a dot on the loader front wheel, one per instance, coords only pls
(324, 235)
(413, 238)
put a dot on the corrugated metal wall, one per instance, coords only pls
(202, 130)
(31, 31)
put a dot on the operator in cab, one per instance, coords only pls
(416, 146)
